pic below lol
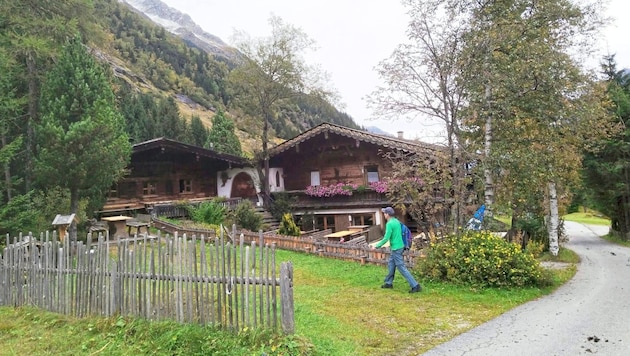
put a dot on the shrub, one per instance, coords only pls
(245, 216)
(288, 226)
(280, 205)
(482, 259)
(535, 227)
(210, 212)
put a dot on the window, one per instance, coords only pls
(372, 174)
(185, 185)
(148, 188)
(362, 219)
(323, 222)
(315, 178)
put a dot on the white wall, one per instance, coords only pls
(272, 180)
(226, 190)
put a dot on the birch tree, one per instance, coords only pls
(533, 101)
(421, 83)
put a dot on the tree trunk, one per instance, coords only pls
(265, 177)
(74, 207)
(33, 95)
(487, 172)
(553, 219)
(7, 171)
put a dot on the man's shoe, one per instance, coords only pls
(416, 289)
(387, 286)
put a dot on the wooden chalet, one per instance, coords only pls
(164, 171)
(330, 154)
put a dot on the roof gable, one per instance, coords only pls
(363, 136)
(165, 143)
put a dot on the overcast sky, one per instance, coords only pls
(352, 37)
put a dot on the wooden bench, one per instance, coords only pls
(361, 240)
(139, 222)
(98, 226)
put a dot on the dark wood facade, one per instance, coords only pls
(337, 159)
(164, 170)
(329, 154)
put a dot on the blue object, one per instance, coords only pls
(475, 222)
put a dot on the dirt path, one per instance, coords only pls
(588, 315)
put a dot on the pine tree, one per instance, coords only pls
(82, 143)
(198, 131)
(222, 137)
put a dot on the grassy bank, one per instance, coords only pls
(588, 217)
(339, 309)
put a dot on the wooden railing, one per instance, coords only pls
(313, 242)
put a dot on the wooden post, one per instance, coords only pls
(286, 297)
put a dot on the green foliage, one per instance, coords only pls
(82, 143)
(198, 132)
(482, 259)
(245, 215)
(606, 169)
(19, 215)
(288, 227)
(33, 212)
(280, 205)
(222, 137)
(119, 335)
(210, 212)
(534, 226)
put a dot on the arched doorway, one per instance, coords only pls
(243, 187)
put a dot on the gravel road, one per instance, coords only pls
(588, 315)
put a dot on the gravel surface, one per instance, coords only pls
(588, 315)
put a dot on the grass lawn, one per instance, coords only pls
(587, 217)
(339, 308)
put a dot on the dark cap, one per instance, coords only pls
(389, 210)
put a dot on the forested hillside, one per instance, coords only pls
(162, 87)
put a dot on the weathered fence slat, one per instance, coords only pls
(229, 284)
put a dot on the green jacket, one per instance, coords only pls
(393, 234)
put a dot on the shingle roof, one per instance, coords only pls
(162, 142)
(364, 136)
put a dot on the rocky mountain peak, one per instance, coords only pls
(182, 25)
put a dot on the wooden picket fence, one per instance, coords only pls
(190, 280)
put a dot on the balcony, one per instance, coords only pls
(362, 198)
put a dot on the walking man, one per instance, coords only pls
(393, 235)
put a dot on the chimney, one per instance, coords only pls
(400, 135)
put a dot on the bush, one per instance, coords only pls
(280, 205)
(245, 216)
(482, 259)
(210, 212)
(288, 227)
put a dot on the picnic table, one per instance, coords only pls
(343, 234)
(118, 224)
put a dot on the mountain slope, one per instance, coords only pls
(183, 26)
(292, 119)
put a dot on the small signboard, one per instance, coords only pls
(63, 219)
(62, 222)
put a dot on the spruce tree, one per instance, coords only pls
(82, 144)
(222, 137)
